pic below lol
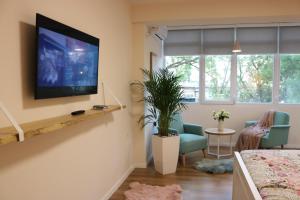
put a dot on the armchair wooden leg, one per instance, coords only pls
(204, 153)
(183, 159)
(282, 146)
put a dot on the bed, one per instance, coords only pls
(266, 175)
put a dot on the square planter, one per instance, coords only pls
(165, 153)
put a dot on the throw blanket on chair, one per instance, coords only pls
(250, 137)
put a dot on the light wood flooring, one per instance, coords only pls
(196, 185)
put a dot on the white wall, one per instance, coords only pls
(83, 161)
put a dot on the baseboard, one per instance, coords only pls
(140, 165)
(118, 183)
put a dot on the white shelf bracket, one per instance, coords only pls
(105, 86)
(13, 121)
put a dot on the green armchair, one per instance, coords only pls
(191, 137)
(279, 132)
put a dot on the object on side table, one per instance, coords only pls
(221, 116)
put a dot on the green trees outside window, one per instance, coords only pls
(187, 67)
(217, 77)
(255, 78)
(289, 78)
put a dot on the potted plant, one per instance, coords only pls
(162, 96)
(221, 116)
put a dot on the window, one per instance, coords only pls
(289, 64)
(270, 56)
(188, 69)
(254, 78)
(217, 77)
(289, 78)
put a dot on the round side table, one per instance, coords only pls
(219, 134)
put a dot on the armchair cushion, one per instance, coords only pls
(192, 142)
(192, 129)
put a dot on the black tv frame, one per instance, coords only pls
(53, 92)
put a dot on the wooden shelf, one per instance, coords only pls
(31, 129)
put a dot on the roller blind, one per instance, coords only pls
(183, 42)
(218, 41)
(289, 39)
(257, 40)
(253, 40)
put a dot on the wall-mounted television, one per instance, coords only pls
(67, 60)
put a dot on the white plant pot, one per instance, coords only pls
(165, 152)
(220, 125)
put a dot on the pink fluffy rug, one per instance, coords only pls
(140, 191)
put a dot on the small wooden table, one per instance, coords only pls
(216, 132)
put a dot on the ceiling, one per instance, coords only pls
(157, 1)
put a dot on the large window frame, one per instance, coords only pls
(234, 86)
(197, 100)
(202, 98)
(233, 78)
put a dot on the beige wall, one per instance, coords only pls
(83, 161)
(139, 149)
(213, 12)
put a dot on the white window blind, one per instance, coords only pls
(218, 41)
(258, 40)
(289, 39)
(183, 42)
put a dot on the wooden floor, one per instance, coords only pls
(196, 185)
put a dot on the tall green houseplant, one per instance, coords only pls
(162, 94)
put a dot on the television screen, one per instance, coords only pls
(67, 60)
